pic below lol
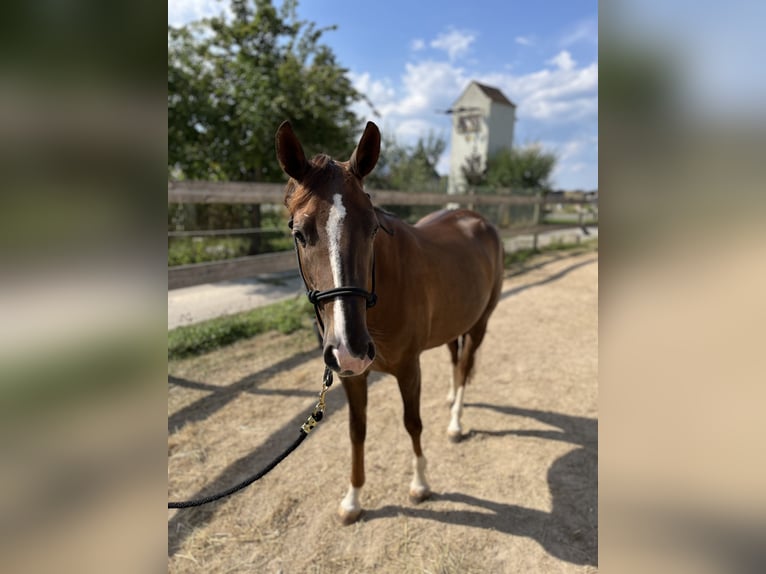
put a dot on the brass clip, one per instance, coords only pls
(318, 413)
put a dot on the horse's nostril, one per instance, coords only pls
(371, 351)
(330, 359)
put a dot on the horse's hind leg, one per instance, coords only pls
(408, 379)
(463, 368)
(454, 349)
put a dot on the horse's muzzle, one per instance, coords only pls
(346, 363)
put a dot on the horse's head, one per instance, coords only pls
(334, 224)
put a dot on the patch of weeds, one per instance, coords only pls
(284, 317)
(521, 256)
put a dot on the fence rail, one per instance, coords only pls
(226, 232)
(273, 193)
(233, 192)
(230, 269)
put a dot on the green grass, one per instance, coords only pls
(185, 250)
(520, 256)
(587, 220)
(284, 317)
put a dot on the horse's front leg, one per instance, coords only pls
(356, 393)
(408, 378)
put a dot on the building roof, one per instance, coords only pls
(494, 94)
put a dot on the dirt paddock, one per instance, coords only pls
(518, 494)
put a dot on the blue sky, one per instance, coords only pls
(414, 58)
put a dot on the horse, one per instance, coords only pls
(381, 299)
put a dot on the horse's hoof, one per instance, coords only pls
(418, 495)
(455, 436)
(347, 517)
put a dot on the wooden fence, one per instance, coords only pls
(271, 193)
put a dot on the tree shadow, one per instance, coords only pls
(549, 279)
(219, 397)
(186, 520)
(553, 258)
(569, 531)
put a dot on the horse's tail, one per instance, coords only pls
(497, 286)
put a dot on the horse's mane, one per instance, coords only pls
(323, 170)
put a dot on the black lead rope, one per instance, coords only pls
(316, 415)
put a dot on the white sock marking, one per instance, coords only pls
(419, 484)
(350, 502)
(456, 412)
(452, 389)
(334, 231)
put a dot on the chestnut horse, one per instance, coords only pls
(384, 298)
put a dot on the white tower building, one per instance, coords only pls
(483, 120)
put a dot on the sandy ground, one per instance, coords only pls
(518, 494)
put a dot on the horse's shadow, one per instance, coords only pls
(570, 531)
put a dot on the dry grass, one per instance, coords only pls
(517, 495)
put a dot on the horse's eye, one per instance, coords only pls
(299, 237)
(375, 231)
(290, 223)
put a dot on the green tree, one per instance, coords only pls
(231, 83)
(526, 171)
(409, 168)
(474, 170)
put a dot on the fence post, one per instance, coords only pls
(538, 216)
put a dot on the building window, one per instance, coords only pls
(468, 124)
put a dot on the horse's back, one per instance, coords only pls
(463, 230)
(464, 256)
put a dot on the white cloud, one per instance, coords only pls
(583, 31)
(380, 92)
(577, 162)
(417, 44)
(182, 12)
(524, 40)
(411, 129)
(454, 42)
(561, 94)
(563, 60)
(429, 85)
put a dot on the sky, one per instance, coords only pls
(413, 59)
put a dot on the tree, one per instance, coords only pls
(526, 171)
(231, 83)
(474, 171)
(409, 168)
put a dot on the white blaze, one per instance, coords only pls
(334, 232)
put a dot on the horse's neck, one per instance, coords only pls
(395, 254)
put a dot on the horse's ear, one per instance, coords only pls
(290, 154)
(366, 154)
